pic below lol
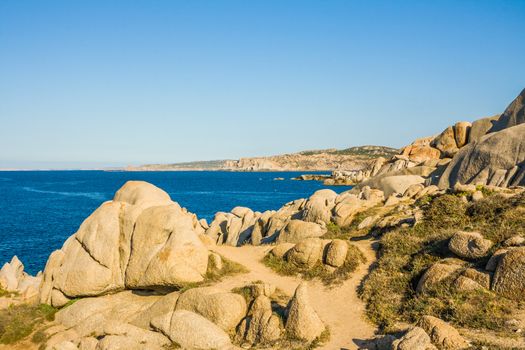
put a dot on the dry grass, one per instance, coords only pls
(405, 253)
(18, 322)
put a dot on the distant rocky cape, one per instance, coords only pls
(354, 158)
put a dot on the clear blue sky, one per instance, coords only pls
(130, 82)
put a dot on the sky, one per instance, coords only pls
(88, 83)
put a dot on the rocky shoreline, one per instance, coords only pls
(427, 251)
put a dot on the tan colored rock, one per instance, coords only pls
(413, 190)
(422, 153)
(477, 196)
(461, 133)
(122, 336)
(436, 274)
(466, 284)
(224, 309)
(509, 278)
(297, 230)
(414, 339)
(280, 250)
(165, 250)
(264, 326)
(306, 253)
(480, 127)
(399, 184)
(164, 304)
(216, 261)
(191, 331)
(336, 253)
(514, 241)
(265, 289)
(303, 322)
(481, 277)
(469, 245)
(495, 159)
(319, 206)
(446, 142)
(442, 334)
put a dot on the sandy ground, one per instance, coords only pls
(339, 307)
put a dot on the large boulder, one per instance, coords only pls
(303, 322)
(224, 309)
(446, 142)
(442, 334)
(496, 159)
(191, 331)
(469, 245)
(96, 260)
(297, 230)
(165, 249)
(461, 133)
(509, 278)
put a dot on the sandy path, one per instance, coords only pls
(339, 307)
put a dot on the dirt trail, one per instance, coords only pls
(339, 307)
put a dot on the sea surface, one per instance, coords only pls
(40, 209)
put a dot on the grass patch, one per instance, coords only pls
(320, 271)
(18, 322)
(405, 253)
(213, 274)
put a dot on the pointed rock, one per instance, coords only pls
(303, 322)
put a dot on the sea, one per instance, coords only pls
(39, 210)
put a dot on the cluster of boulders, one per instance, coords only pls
(139, 240)
(504, 272)
(199, 318)
(295, 221)
(18, 285)
(311, 251)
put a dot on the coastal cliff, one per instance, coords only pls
(353, 158)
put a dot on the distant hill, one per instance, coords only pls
(353, 158)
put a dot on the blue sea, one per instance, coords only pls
(40, 209)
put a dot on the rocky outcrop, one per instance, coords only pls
(437, 273)
(140, 239)
(495, 154)
(303, 322)
(496, 159)
(21, 286)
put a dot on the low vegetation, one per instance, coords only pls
(214, 275)
(320, 271)
(405, 253)
(19, 321)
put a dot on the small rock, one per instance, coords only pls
(469, 245)
(306, 253)
(442, 334)
(415, 339)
